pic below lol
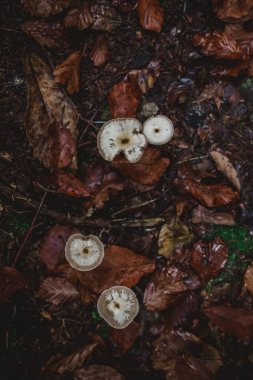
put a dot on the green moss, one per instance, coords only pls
(17, 224)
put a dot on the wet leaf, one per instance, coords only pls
(99, 372)
(224, 165)
(51, 118)
(183, 310)
(70, 185)
(45, 8)
(248, 279)
(56, 291)
(100, 52)
(68, 72)
(233, 10)
(145, 78)
(236, 321)
(79, 18)
(11, 281)
(124, 99)
(151, 15)
(105, 17)
(125, 338)
(167, 288)
(171, 236)
(209, 258)
(202, 215)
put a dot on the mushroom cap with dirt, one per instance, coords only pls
(158, 130)
(121, 135)
(118, 306)
(84, 253)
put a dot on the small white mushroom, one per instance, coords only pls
(158, 130)
(121, 135)
(84, 252)
(118, 306)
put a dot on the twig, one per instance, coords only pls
(133, 207)
(191, 159)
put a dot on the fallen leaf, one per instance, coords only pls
(224, 165)
(171, 236)
(203, 215)
(51, 35)
(45, 8)
(79, 18)
(167, 288)
(243, 37)
(68, 72)
(213, 91)
(98, 372)
(233, 10)
(146, 173)
(52, 248)
(124, 99)
(100, 52)
(236, 321)
(248, 279)
(11, 281)
(144, 78)
(183, 310)
(209, 258)
(105, 17)
(151, 15)
(192, 368)
(51, 117)
(70, 185)
(56, 291)
(125, 338)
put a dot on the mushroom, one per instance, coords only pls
(158, 130)
(84, 252)
(118, 306)
(121, 135)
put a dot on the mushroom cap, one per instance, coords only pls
(121, 135)
(84, 253)
(118, 306)
(158, 130)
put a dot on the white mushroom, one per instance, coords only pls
(84, 252)
(118, 306)
(121, 135)
(158, 130)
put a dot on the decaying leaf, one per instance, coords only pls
(171, 236)
(167, 288)
(236, 321)
(57, 290)
(125, 338)
(79, 18)
(98, 372)
(51, 117)
(224, 165)
(151, 15)
(213, 91)
(209, 258)
(192, 368)
(11, 281)
(203, 215)
(100, 52)
(145, 78)
(45, 8)
(124, 99)
(68, 72)
(248, 279)
(70, 185)
(51, 35)
(242, 36)
(51, 250)
(233, 10)
(105, 17)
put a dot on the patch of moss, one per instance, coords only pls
(17, 223)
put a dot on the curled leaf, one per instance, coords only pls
(45, 8)
(151, 15)
(56, 291)
(124, 99)
(68, 72)
(224, 165)
(100, 52)
(79, 18)
(70, 185)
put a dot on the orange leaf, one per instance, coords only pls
(70, 185)
(126, 337)
(151, 15)
(68, 72)
(100, 52)
(124, 98)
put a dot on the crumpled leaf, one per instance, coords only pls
(124, 99)
(105, 17)
(209, 258)
(173, 235)
(51, 35)
(212, 195)
(45, 8)
(147, 172)
(68, 72)
(248, 279)
(98, 372)
(79, 18)
(51, 117)
(57, 290)
(100, 52)
(11, 281)
(233, 10)
(167, 288)
(70, 185)
(52, 248)
(125, 338)
(151, 15)
(224, 165)
(203, 215)
(145, 78)
(236, 321)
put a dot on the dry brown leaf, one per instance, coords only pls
(236, 321)
(167, 288)
(243, 37)
(51, 117)
(51, 35)
(57, 290)
(70, 185)
(51, 250)
(45, 8)
(79, 18)
(193, 369)
(171, 236)
(97, 372)
(100, 52)
(105, 17)
(125, 338)
(145, 78)
(209, 258)
(202, 215)
(124, 99)
(11, 281)
(224, 165)
(151, 15)
(68, 72)
(233, 10)
(248, 279)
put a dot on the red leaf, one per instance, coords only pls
(10, 281)
(151, 15)
(124, 98)
(126, 337)
(70, 185)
